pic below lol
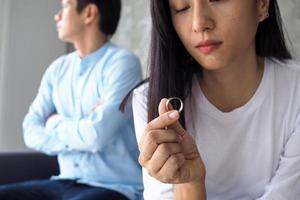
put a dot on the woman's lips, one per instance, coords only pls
(207, 47)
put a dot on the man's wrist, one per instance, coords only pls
(52, 122)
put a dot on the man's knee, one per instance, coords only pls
(24, 191)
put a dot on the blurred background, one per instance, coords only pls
(28, 44)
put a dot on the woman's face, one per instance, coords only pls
(218, 33)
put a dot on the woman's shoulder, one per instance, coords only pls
(139, 105)
(140, 94)
(285, 76)
(286, 65)
(141, 91)
(287, 70)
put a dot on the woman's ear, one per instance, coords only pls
(262, 9)
(91, 14)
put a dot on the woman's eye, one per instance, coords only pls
(182, 9)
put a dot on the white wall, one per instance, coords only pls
(134, 28)
(4, 21)
(30, 43)
(290, 10)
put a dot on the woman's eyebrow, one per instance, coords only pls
(178, 1)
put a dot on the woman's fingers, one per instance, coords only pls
(162, 108)
(167, 151)
(166, 118)
(170, 172)
(159, 123)
(161, 155)
(151, 141)
(179, 170)
(163, 120)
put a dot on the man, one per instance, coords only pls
(76, 116)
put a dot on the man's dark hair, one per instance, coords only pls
(110, 11)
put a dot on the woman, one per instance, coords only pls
(239, 134)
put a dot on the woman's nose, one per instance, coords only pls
(202, 17)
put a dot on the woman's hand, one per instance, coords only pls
(168, 152)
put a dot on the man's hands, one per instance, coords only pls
(98, 104)
(168, 152)
(52, 116)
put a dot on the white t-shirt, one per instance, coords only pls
(252, 152)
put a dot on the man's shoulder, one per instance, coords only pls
(121, 60)
(117, 52)
(54, 68)
(60, 61)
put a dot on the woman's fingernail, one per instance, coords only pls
(174, 115)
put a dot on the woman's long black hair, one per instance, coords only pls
(172, 67)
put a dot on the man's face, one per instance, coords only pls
(69, 22)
